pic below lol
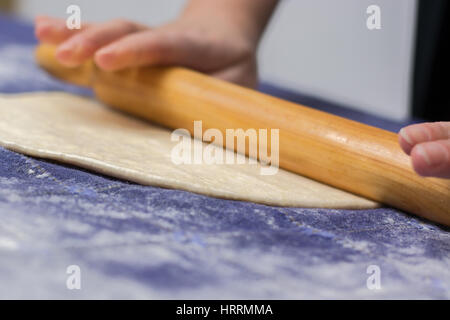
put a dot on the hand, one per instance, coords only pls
(208, 46)
(428, 144)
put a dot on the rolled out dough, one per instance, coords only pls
(84, 133)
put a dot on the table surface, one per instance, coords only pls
(132, 241)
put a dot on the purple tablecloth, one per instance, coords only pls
(131, 241)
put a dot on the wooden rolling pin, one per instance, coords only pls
(348, 155)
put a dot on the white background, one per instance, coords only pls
(318, 47)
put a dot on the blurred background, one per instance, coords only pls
(318, 47)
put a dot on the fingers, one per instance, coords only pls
(428, 144)
(167, 46)
(53, 30)
(148, 48)
(82, 46)
(424, 132)
(432, 159)
(121, 44)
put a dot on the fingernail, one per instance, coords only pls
(68, 54)
(67, 48)
(105, 58)
(107, 52)
(433, 153)
(405, 136)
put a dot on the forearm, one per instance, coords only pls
(247, 17)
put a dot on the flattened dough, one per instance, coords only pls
(83, 132)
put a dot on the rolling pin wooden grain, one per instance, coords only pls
(348, 155)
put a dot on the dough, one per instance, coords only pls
(84, 133)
